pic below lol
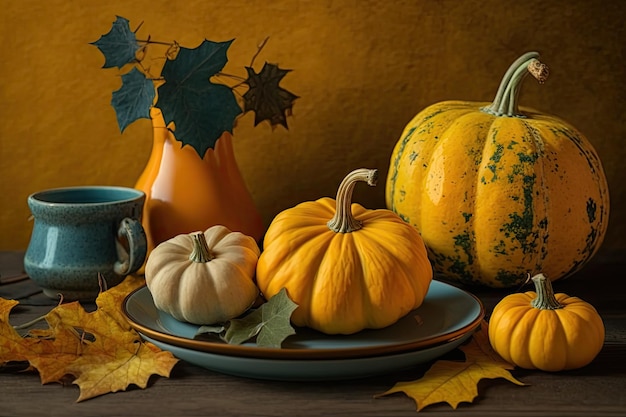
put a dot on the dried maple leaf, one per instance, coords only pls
(98, 348)
(117, 365)
(113, 355)
(46, 350)
(57, 350)
(12, 346)
(265, 97)
(455, 382)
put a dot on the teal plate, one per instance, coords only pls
(447, 317)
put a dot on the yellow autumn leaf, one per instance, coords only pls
(454, 382)
(110, 302)
(98, 348)
(12, 346)
(114, 355)
(57, 350)
(118, 368)
(46, 350)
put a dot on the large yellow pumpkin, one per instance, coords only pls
(348, 268)
(497, 192)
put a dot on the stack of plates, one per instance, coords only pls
(447, 317)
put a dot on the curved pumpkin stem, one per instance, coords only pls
(505, 102)
(545, 299)
(343, 221)
(201, 252)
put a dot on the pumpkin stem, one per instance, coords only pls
(201, 251)
(505, 102)
(545, 299)
(343, 221)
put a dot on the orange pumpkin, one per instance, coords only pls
(542, 330)
(347, 267)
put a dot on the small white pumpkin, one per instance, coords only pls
(204, 277)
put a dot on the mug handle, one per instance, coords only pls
(132, 259)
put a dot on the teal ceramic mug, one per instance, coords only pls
(81, 234)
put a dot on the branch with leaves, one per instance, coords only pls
(199, 109)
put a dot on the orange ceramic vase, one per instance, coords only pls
(186, 193)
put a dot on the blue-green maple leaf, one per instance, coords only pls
(201, 110)
(119, 45)
(134, 98)
(200, 115)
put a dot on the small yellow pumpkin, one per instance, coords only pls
(348, 268)
(547, 331)
(204, 277)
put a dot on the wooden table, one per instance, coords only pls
(596, 390)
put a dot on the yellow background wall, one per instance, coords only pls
(362, 68)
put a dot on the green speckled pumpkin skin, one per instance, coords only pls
(496, 197)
